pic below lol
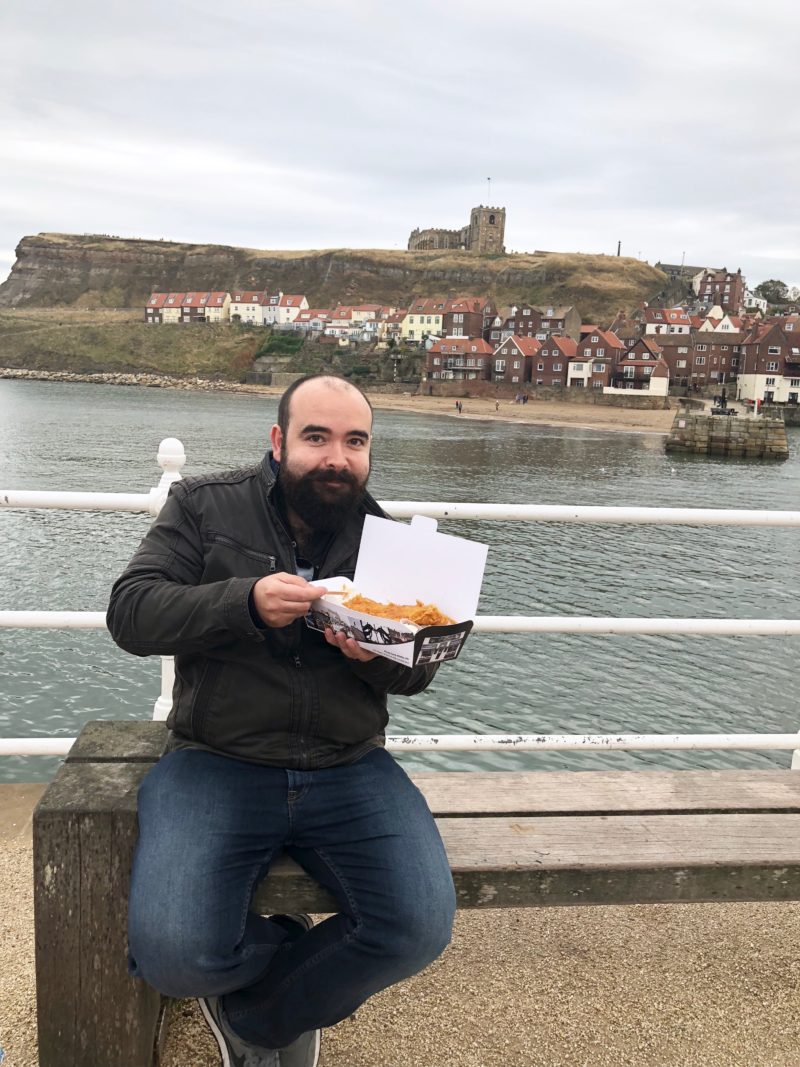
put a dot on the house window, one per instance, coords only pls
(473, 348)
(515, 365)
(601, 351)
(629, 372)
(545, 322)
(458, 318)
(436, 361)
(700, 361)
(597, 385)
(555, 381)
(702, 348)
(647, 370)
(458, 331)
(587, 352)
(499, 365)
(681, 363)
(794, 383)
(595, 339)
(578, 367)
(598, 368)
(683, 349)
(657, 315)
(515, 378)
(526, 311)
(540, 366)
(556, 366)
(773, 350)
(772, 365)
(770, 381)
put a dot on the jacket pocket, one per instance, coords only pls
(204, 696)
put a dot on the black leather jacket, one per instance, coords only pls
(279, 696)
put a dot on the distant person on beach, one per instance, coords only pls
(276, 745)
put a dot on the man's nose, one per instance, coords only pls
(336, 455)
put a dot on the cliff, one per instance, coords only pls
(68, 270)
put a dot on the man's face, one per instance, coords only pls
(325, 453)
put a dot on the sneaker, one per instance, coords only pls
(234, 1051)
(304, 1052)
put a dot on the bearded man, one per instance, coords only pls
(276, 745)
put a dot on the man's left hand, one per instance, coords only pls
(352, 649)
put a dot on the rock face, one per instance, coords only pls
(91, 270)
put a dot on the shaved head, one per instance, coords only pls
(330, 381)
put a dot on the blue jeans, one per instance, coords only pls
(209, 827)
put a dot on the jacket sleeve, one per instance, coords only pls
(389, 677)
(159, 607)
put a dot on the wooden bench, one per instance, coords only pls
(514, 839)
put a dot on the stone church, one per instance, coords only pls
(483, 234)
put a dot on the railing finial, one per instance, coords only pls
(171, 458)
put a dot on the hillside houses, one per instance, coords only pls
(690, 347)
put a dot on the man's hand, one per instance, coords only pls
(352, 649)
(281, 598)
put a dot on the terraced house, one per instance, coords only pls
(770, 365)
(459, 359)
(552, 361)
(512, 360)
(248, 306)
(595, 359)
(423, 319)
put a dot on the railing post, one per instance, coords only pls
(171, 458)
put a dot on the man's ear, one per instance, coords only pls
(276, 440)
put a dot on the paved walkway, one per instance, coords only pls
(702, 985)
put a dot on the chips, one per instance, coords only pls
(418, 614)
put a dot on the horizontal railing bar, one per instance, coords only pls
(403, 509)
(576, 624)
(16, 498)
(59, 746)
(53, 620)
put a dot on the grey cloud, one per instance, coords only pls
(325, 124)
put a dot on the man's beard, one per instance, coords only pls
(322, 508)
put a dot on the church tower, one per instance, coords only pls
(487, 230)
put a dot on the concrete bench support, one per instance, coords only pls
(514, 839)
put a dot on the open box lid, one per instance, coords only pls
(402, 563)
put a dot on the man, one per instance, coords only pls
(276, 746)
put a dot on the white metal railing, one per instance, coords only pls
(171, 458)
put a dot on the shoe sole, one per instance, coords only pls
(317, 1043)
(215, 1030)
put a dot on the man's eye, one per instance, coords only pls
(359, 442)
(314, 438)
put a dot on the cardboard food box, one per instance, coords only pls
(402, 563)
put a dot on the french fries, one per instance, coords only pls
(418, 614)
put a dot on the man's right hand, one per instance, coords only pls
(281, 598)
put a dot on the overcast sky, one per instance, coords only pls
(674, 128)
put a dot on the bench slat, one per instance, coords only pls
(600, 792)
(531, 862)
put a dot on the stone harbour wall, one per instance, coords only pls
(752, 437)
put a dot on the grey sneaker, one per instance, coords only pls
(304, 1052)
(234, 1051)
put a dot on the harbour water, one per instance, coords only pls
(101, 438)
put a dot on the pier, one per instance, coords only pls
(728, 432)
